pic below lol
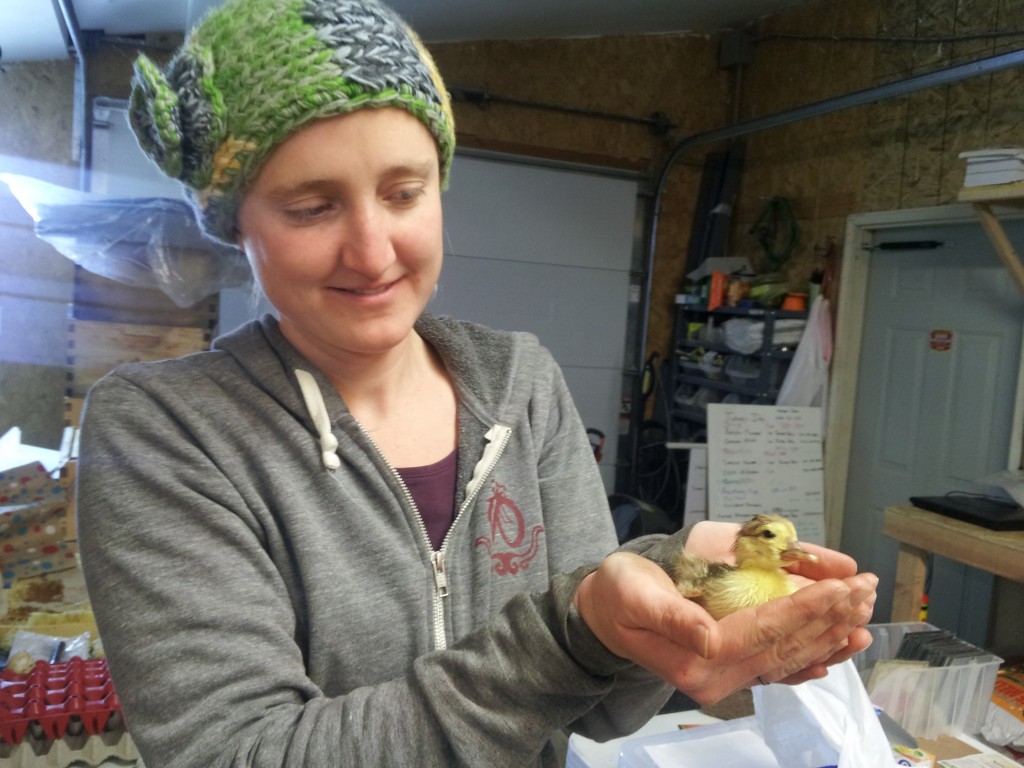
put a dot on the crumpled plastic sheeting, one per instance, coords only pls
(825, 722)
(147, 242)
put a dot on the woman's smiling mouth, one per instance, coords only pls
(375, 291)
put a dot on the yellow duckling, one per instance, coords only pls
(763, 545)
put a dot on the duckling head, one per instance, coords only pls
(768, 542)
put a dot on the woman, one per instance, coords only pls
(360, 535)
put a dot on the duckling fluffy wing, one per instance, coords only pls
(693, 574)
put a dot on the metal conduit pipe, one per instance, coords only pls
(873, 95)
(657, 123)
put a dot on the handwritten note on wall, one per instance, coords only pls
(767, 459)
(695, 508)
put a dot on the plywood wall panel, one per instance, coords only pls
(630, 75)
(935, 18)
(881, 175)
(924, 152)
(964, 128)
(974, 19)
(1005, 117)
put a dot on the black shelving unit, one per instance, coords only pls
(692, 389)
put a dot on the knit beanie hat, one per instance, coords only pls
(253, 72)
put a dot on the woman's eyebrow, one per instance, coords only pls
(306, 186)
(424, 169)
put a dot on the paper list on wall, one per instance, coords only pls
(696, 503)
(767, 459)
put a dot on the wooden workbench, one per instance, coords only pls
(920, 532)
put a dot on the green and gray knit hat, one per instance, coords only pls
(253, 72)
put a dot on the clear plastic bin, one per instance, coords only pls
(743, 370)
(703, 396)
(927, 701)
(731, 744)
(691, 368)
(712, 365)
(787, 333)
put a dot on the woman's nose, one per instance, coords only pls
(367, 248)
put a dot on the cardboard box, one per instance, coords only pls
(28, 484)
(34, 540)
(36, 523)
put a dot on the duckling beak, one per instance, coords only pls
(794, 552)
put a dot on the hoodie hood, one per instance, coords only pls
(484, 364)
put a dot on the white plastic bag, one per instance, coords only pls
(743, 336)
(148, 242)
(806, 382)
(49, 648)
(827, 722)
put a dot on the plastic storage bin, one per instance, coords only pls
(927, 701)
(742, 370)
(788, 333)
(691, 367)
(730, 744)
(712, 365)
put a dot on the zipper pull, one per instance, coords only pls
(440, 575)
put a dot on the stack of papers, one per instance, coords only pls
(986, 167)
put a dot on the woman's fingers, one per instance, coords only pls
(713, 540)
(830, 564)
(817, 626)
(633, 607)
(635, 610)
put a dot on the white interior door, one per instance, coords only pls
(937, 381)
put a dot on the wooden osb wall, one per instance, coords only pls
(901, 153)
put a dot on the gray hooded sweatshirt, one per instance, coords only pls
(266, 591)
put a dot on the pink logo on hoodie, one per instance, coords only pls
(506, 546)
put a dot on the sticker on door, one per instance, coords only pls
(941, 340)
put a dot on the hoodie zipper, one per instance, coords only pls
(498, 437)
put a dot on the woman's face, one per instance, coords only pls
(342, 227)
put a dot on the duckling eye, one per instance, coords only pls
(768, 534)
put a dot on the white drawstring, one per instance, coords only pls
(317, 408)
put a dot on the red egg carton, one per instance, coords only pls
(52, 700)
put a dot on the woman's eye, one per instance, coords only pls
(406, 195)
(307, 213)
